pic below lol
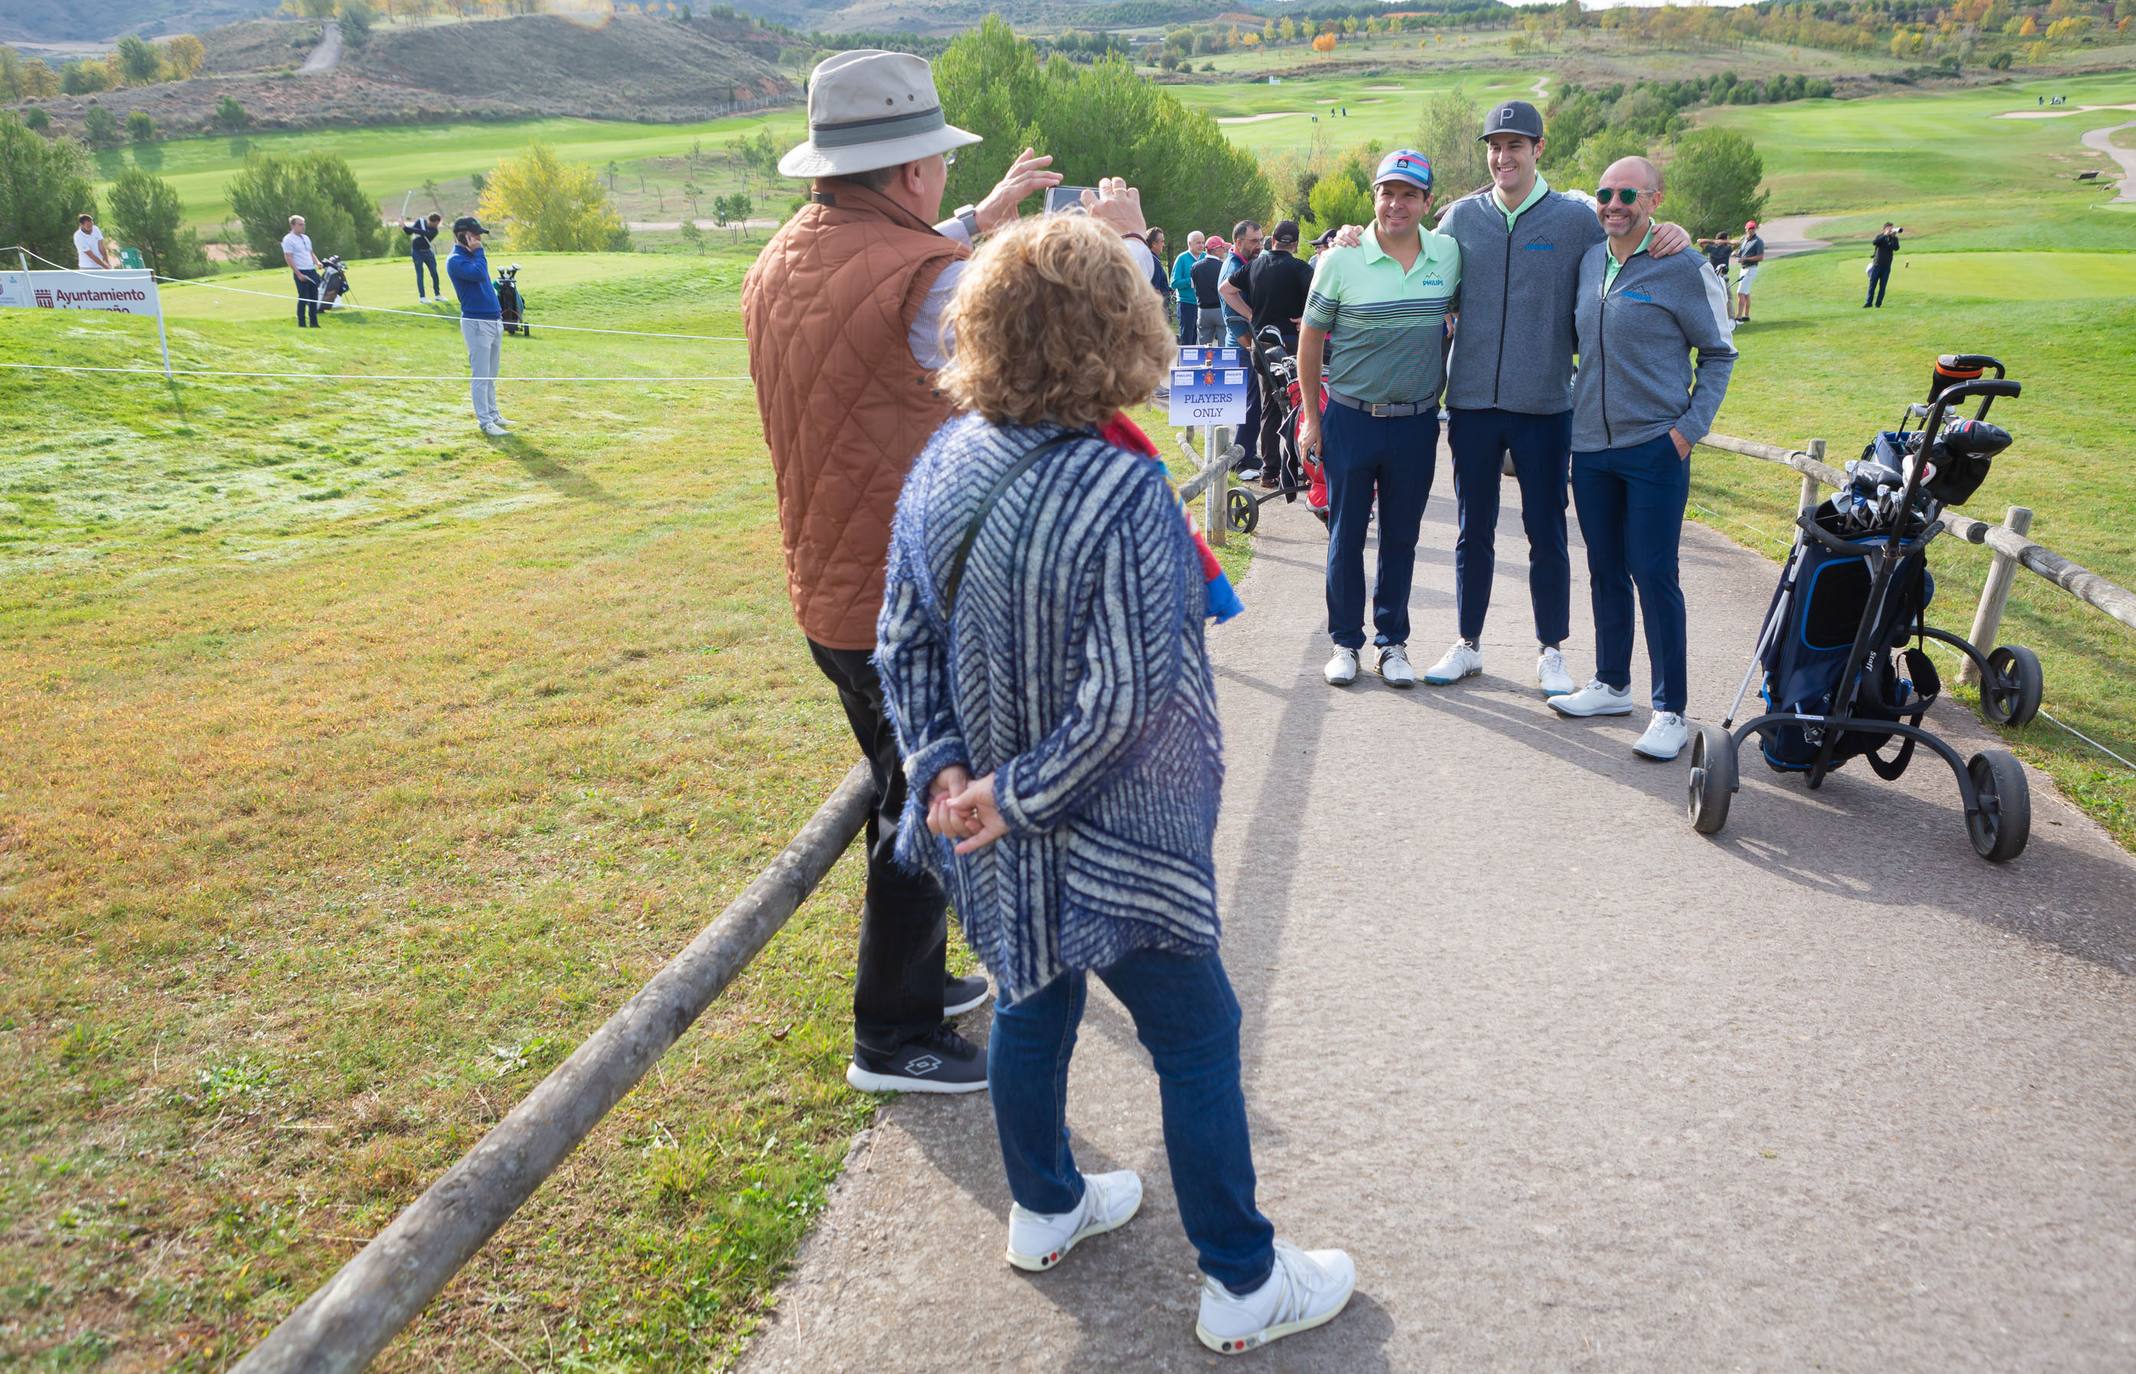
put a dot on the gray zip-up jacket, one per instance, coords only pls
(1513, 347)
(1635, 381)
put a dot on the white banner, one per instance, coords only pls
(131, 292)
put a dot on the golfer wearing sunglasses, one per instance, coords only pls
(1637, 408)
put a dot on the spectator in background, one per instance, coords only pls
(1276, 287)
(304, 265)
(481, 321)
(1160, 274)
(1183, 285)
(1750, 255)
(1719, 250)
(1205, 276)
(89, 254)
(1238, 322)
(1882, 247)
(420, 233)
(1082, 744)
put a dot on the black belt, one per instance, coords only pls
(1386, 410)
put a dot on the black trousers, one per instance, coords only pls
(904, 928)
(308, 298)
(1877, 279)
(429, 260)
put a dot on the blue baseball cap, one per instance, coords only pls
(1404, 164)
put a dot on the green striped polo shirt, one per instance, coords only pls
(1385, 326)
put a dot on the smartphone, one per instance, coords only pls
(1066, 200)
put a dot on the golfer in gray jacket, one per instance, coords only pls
(1637, 408)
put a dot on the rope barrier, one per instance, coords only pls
(453, 377)
(385, 309)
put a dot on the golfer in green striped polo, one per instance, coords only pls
(1376, 320)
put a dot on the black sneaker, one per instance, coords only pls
(941, 1061)
(960, 995)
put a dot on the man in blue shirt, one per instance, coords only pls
(481, 320)
(420, 233)
(1183, 284)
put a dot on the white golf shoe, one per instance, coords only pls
(1038, 1242)
(1664, 737)
(1597, 698)
(1550, 674)
(1394, 667)
(1463, 660)
(1307, 1289)
(1341, 669)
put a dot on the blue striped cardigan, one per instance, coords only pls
(1075, 672)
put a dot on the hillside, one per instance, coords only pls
(73, 21)
(624, 68)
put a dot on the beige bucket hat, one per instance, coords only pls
(870, 109)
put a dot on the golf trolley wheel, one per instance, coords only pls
(1241, 511)
(2004, 822)
(1713, 778)
(2013, 698)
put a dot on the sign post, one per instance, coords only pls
(1208, 390)
(130, 293)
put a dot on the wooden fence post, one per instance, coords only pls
(1214, 521)
(1995, 593)
(1807, 501)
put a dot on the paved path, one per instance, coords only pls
(1580, 1089)
(1787, 235)
(2102, 141)
(327, 55)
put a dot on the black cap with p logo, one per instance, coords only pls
(1512, 117)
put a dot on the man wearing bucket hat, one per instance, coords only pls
(1375, 319)
(843, 311)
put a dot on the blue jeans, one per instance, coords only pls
(1393, 458)
(1186, 1017)
(1542, 463)
(308, 298)
(429, 260)
(1631, 504)
(1877, 279)
(1235, 332)
(1189, 314)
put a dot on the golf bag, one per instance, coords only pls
(511, 304)
(333, 282)
(1806, 657)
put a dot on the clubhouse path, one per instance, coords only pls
(1579, 1088)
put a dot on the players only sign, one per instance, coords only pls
(131, 293)
(1208, 396)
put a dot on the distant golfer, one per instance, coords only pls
(304, 266)
(89, 255)
(420, 234)
(1749, 254)
(481, 320)
(1719, 250)
(1884, 246)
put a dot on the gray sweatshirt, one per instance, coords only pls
(1635, 381)
(1513, 347)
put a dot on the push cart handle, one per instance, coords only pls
(1966, 362)
(1987, 388)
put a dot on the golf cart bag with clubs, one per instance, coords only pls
(511, 304)
(1842, 651)
(1280, 391)
(333, 282)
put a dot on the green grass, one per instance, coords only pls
(1382, 108)
(391, 161)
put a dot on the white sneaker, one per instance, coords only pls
(493, 429)
(1306, 1290)
(1252, 474)
(1342, 668)
(1595, 699)
(1038, 1242)
(1551, 675)
(1394, 667)
(1463, 660)
(1664, 737)
(501, 423)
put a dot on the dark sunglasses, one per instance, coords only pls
(1626, 194)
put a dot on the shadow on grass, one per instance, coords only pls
(565, 482)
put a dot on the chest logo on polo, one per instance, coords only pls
(1540, 247)
(1637, 296)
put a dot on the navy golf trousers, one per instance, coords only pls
(1631, 505)
(1541, 445)
(1392, 458)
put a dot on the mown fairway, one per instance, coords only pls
(392, 161)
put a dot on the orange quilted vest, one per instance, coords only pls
(846, 407)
